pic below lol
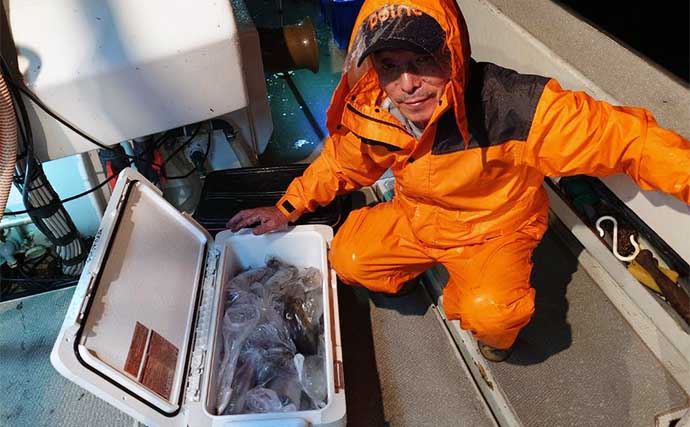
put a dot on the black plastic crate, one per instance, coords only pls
(229, 191)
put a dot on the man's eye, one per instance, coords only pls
(424, 60)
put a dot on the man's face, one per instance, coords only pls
(413, 81)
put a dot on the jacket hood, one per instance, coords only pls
(357, 79)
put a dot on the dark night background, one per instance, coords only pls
(658, 30)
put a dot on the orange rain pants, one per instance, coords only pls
(489, 288)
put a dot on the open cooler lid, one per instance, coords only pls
(130, 338)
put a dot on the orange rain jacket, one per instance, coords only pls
(477, 171)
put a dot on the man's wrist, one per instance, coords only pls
(289, 208)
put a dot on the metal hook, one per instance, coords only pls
(615, 239)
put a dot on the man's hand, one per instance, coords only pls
(269, 219)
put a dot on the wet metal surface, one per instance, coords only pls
(294, 138)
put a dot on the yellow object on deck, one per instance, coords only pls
(646, 279)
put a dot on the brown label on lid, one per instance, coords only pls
(136, 350)
(159, 368)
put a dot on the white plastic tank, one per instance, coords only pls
(119, 69)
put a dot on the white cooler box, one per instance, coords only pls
(143, 331)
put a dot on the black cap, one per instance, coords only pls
(401, 27)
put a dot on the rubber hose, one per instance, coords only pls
(8, 144)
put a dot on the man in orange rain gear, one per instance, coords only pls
(469, 144)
